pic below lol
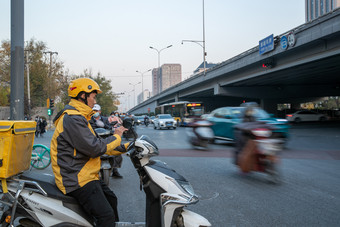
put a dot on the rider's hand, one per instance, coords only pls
(119, 131)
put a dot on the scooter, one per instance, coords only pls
(147, 122)
(35, 199)
(257, 149)
(200, 133)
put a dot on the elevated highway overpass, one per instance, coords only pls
(306, 71)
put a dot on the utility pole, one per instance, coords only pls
(17, 60)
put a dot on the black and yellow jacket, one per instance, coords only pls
(75, 149)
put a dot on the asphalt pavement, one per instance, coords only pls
(307, 196)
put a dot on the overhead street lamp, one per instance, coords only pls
(143, 81)
(199, 42)
(134, 93)
(159, 64)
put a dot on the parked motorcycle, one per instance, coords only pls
(35, 199)
(200, 133)
(257, 149)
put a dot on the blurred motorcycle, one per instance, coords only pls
(200, 133)
(257, 150)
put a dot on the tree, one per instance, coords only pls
(39, 74)
(46, 82)
(107, 98)
(5, 69)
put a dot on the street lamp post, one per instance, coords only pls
(159, 62)
(134, 93)
(199, 42)
(143, 81)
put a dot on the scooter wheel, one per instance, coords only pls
(106, 176)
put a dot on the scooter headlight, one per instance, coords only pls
(262, 132)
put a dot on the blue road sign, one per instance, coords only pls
(266, 44)
(284, 42)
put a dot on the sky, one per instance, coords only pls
(113, 37)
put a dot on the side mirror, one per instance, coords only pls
(127, 123)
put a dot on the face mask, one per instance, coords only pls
(116, 115)
(96, 115)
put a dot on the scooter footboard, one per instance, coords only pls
(191, 219)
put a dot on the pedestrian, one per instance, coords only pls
(37, 129)
(43, 124)
(76, 151)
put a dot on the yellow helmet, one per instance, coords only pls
(82, 84)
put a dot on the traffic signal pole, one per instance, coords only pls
(49, 88)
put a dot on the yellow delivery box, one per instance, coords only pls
(16, 143)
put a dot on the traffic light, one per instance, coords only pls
(48, 103)
(51, 103)
(49, 112)
(268, 65)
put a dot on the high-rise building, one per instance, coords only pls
(170, 74)
(317, 8)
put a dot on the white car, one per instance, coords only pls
(306, 115)
(164, 121)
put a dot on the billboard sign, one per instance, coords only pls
(266, 44)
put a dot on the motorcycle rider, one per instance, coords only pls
(146, 120)
(75, 153)
(240, 139)
(99, 121)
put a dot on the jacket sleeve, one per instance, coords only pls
(79, 135)
(119, 149)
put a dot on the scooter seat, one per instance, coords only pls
(46, 181)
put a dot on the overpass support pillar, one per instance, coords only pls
(176, 97)
(269, 105)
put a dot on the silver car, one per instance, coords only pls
(164, 121)
(306, 115)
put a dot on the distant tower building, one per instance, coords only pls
(146, 95)
(155, 82)
(200, 68)
(317, 8)
(170, 74)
